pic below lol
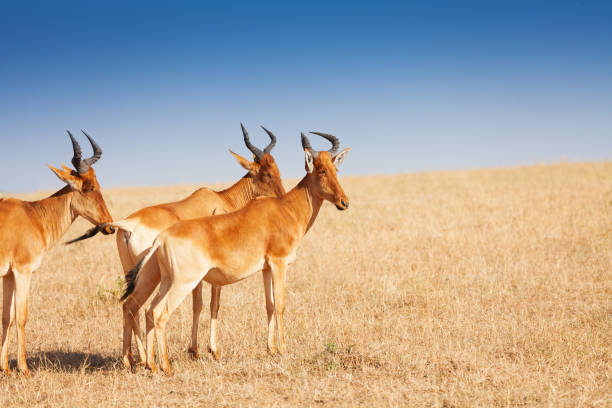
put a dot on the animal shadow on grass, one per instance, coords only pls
(69, 362)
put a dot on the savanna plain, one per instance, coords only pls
(464, 288)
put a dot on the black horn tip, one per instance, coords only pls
(258, 153)
(79, 164)
(325, 135)
(272, 140)
(305, 141)
(332, 139)
(76, 149)
(272, 136)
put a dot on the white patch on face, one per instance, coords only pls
(4, 270)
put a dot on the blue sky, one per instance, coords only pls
(409, 86)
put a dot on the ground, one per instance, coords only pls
(464, 288)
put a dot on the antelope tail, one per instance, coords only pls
(88, 234)
(132, 275)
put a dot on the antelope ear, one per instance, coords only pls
(66, 169)
(309, 160)
(339, 158)
(67, 177)
(252, 167)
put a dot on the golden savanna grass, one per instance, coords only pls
(465, 288)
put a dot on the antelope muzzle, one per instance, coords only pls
(343, 204)
(107, 229)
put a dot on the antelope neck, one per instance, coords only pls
(302, 204)
(54, 214)
(239, 194)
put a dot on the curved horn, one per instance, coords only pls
(258, 153)
(306, 143)
(272, 143)
(97, 150)
(333, 139)
(79, 164)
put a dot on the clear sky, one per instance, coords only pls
(409, 86)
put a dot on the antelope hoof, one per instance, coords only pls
(152, 367)
(272, 350)
(6, 371)
(282, 349)
(216, 353)
(168, 371)
(193, 352)
(128, 362)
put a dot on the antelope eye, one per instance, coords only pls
(322, 171)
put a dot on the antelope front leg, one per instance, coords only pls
(22, 286)
(278, 279)
(196, 296)
(267, 281)
(215, 294)
(8, 317)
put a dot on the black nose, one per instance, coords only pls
(342, 207)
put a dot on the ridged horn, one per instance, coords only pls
(258, 153)
(272, 143)
(333, 139)
(79, 164)
(96, 149)
(306, 143)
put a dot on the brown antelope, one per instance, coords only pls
(262, 236)
(137, 232)
(29, 229)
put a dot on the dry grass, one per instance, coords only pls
(469, 288)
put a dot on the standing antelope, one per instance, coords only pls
(263, 236)
(137, 232)
(29, 229)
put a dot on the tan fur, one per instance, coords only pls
(27, 231)
(263, 236)
(137, 232)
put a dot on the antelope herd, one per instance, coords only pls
(218, 237)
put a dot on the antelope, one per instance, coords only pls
(137, 232)
(262, 236)
(29, 228)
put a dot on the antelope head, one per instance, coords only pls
(263, 170)
(87, 199)
(322, 168)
